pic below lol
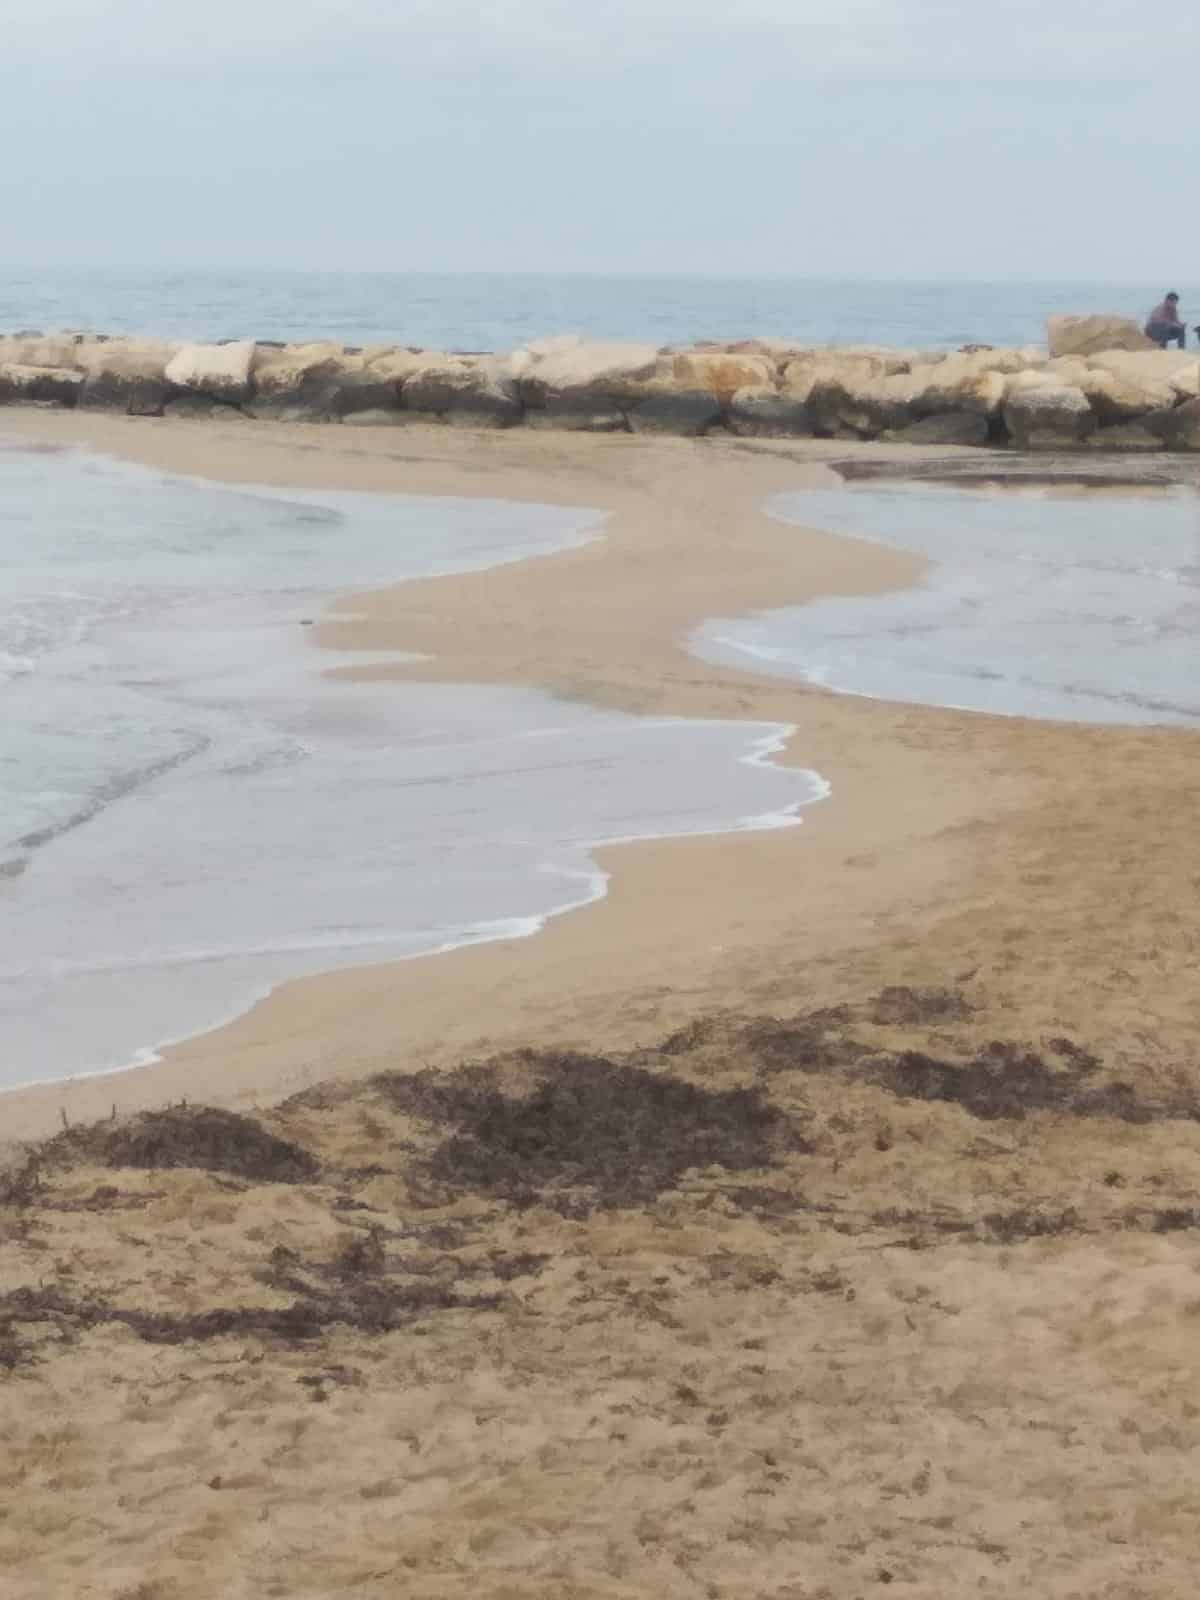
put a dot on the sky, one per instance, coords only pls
(1035, 140)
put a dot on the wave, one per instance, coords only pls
(110, 792)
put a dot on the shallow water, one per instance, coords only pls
(191, 812)
(1081, 607)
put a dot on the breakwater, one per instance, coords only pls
(1097, 383)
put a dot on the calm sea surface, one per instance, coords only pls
(191, 812)
(1081, 607)
(489, 312)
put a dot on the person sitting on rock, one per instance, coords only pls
(1164, 326)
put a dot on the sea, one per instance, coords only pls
(490, 312)
(1081, 606)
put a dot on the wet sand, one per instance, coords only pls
(952, 1354)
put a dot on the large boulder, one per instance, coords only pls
(579, 411)
(1088, 335)
(39, 349)
(56, 386)
(959, 383)
(762, 412)
(688, 412)
(946, 427)
(128, 375)
(715, 372)
(221, 371)
(866, 405)
(318, 382)
(1177, 428)
(1048, 416)
(1154, 370)
(471, 392)
(590, 381)
(830, 367)
(1113, 397)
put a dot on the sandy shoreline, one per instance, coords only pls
(899, 1290)
(925, 800)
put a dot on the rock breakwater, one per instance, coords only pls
(1097, 384)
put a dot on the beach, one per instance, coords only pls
(934, 809)
(1038, 877)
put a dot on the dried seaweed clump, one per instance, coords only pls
(187, 1136)
(616, 1131)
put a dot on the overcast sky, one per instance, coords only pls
(1036, 139)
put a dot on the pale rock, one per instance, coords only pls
(39, 385)
(827, 368)
(474, 392)
(398, 365)
(717, 372)
(40, 350)
(1176, 370)
(127, 375)
(222, 371)
(1088, 335)
(866, 405)
(957, 384)
(1048, 417)
(318, 382)
(611, 370)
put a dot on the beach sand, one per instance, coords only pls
(958, 1359)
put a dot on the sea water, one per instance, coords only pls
(499, 311)
(192, 810)
(1077, 606)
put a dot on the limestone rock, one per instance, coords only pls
(609, 370)
(687, 412)
(127, 375)
(717, 372)
(762, 412)
(1154, 370)
(865, 405)
(1088, 335)
(465, 392)
(578, 412)
(396, 365)
(946, 427)
(957, 384)
(222, 371)
(318, 383)
(39, 350)
(827, 368)
(1048, 417)
(1178, 428)
(39, 385)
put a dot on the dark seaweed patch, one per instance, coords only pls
(621, 1134)
(187, 1136)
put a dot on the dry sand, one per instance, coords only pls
(928, 1342)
